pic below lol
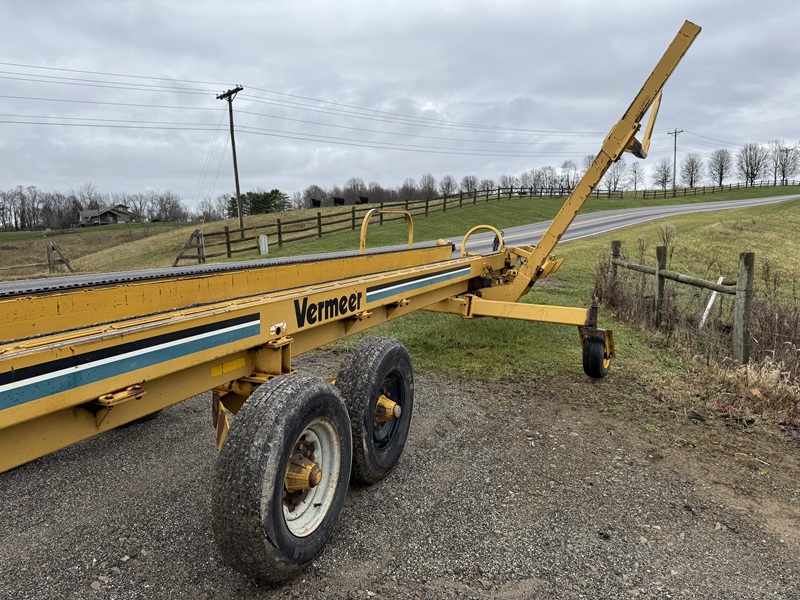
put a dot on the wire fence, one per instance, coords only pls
(705, 331)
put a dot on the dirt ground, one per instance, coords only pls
(513, 490)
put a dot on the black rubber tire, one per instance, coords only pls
(248, 518)
(595, 362)
(376, 366)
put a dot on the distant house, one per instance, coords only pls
(107, 216)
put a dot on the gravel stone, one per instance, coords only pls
(549, 497)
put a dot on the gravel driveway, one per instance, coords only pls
(508, 491)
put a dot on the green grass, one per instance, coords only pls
(495, 349)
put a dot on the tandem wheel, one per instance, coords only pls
(281, 477)
(377, 383)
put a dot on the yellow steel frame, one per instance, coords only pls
(79, 362)
(384, 211)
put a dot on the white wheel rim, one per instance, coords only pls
(304, 519)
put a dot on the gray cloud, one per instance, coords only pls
(568, 67)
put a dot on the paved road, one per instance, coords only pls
(600, 222)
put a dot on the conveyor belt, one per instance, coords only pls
(10, 289)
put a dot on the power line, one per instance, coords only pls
(407, 119)
(98, 102)
(402, 134)
(207, 161)
(214, 83)
(153, 87)
(712, 139)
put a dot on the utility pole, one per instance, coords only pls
(674, 157)
(229, 96)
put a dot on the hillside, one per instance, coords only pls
(143, 246)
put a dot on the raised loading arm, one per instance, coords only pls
(500, 288)
(621, 138)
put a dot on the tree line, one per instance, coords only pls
(752, 162)
(774, 160)
(29, 208)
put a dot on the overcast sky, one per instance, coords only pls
(123, 93)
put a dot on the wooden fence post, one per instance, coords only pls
(196, 244)
(427, 201)
(381, 214)
(616, 252)
(444, 204)
(319, 224)
(280, 235)
(741, 308)
(228, 240)
(354, 218)
(658, 292)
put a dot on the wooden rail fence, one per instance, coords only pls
(229, 241)
(742, 289)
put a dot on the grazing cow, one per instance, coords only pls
(338, 201)
(315, 203)
(363, 200)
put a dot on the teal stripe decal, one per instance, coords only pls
(34, 388)
(401, 287)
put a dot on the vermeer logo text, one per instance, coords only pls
(323, 310)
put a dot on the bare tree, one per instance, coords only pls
(788, 163)
(208, 211)
(447, 185)
(783, 161)
(89, 196)
(662, 173)
(427, 185)
(635, 174)
(774, 148)
(720, 165)
(751, 162)
(569, 174)
(313, 192)
(509, 181)
(548, 177)
(691, 169)
(378, 193)
(221, 205)
(615, 175)
(167, 206)
(469, 183)
(486, 185)
(354, 188)
(407, 191)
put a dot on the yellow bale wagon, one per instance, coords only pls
(85, 354)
